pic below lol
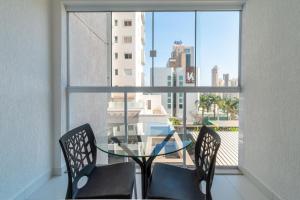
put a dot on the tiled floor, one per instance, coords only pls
(225, 187)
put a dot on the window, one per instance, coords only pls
(127, 39)
(128, 71)
(149, 104)
(127, 23)
(128, 55)
(130, 127)
(178, 53)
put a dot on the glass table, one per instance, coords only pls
(144, 148)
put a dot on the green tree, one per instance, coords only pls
(202, 103)
(231, 107)
(214, 100)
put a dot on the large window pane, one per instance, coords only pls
(91, 108)
(218, 48)
(174, 42)
(220, 112)
(89, 56)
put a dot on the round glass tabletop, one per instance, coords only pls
(159, 140)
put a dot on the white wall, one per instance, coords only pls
(25, 96)
(271, 94)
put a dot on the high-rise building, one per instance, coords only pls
(128, 32)
(215, 76)
(226, 80)
(233, 83)
(180, 72)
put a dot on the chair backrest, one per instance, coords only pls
(207, 146)
(79, 149)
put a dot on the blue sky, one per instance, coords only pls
(217, 40)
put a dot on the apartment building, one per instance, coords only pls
(179, 72)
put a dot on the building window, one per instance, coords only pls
(128, 55)
(181, 78)
(187, 51)
(180, 83)
(116, 39)
(169, 106)
(127, 39)
(130, 127)
(180, 100)
(169, 95)
(180, 106)
(128, 72)
(116, 22)
(116, 55)
(149, 104)
(169, 100)
(188, 60)
(169, 78)
(181, 95)
(116, 72)
(127, 23)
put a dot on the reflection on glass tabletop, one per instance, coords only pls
(143, 145)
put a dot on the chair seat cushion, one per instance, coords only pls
(111, 181)
(171, 182)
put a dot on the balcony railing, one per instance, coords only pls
(130, 105)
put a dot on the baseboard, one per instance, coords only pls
(32, 186)
(260, 185)
(59, 171)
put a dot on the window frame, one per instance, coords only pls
(149, 89)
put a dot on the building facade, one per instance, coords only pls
(179, 72)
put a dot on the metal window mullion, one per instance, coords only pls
(68, 122)
(126, 116)
(126, 121)
(240, 51)
(184, 127)
(152, 68)
(195, 53)
(110, 50)
(163, 89)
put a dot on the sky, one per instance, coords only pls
(217, 40)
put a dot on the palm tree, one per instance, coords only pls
(231, 107)
(234, 108)
(214, 100)
(203, 103)
(220, 103)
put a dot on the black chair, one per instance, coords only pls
(110, 182)
(171, 182)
